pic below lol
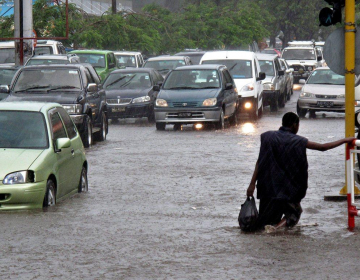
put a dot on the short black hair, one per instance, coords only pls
(289, 119)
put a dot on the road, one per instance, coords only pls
(164, 205)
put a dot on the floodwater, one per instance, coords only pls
(164, 205)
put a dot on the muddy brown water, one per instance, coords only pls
(164, 205)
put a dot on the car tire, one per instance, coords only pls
(151, 117)
(233, 119)
(261, 110)
(83, 184)
(255, 112)
(274, 105)
(312, 114)
(288, 94)
(87, 136)
(160, 126)
(292, 90)
(282, 100)
(220, 124)
(101, 135)
(50, 194)
(301, 112)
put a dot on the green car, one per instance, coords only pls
(104, 62)
(42, 158)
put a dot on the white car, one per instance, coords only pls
(245, 70)
(129, 59)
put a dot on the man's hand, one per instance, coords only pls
(349, 140)
(250, 190)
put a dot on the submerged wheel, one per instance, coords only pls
(255, 112)
(87, 136)
(101, 135)
(220, 124)
(50, 194)
(83, 184)
(274, 105)
(312, 114)
(160, 126)
(301, 112)
(233, 119)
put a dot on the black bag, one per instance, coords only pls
(248, 214)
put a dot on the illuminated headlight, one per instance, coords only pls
(268, 86)
(248, 87)
(141, 99)
(210, 102)
(306, 95)
(341, 96)
(248, 105)
(73, 108)
(161, 103)
(19, 177)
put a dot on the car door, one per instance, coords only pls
(281, 78)
(258, 83)
(64, 158)
(228, 93)
(93, 98)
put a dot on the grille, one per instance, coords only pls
(297, 67)
(325, 96)
(121, 101)
(194, 115)
(187, 104)
(335, 106)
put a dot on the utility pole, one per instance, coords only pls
(113, 6)
(23, 23)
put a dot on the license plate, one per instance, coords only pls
(118, 109)
(184, 115)
(325, 103)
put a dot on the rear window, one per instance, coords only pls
(43, 50)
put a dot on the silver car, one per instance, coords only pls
(323, 91)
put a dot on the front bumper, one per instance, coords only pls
(188, 115)
(334, 105)
(22, 196)
(129, 111)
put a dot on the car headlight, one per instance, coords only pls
(341, 96)
(19, 177)
(310, 68)
(141, 99)
(268, 86)
(306, 95)
(248, 87)
(161, 103)
(73, 108)
(210, 102)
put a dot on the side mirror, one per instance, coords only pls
(291, 70)
(92, 87)
(281, 72)
(229, 86)
(319, 58)
(4, 89)
(261, 77)
(156, 87)
(62, 143)
(302, 81)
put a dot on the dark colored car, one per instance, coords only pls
(164, 64)
(130, 93)
(195, 56)
(196, 94)
(72, 86)
(7, 73)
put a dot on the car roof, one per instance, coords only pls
(201, 67)
(10, 44)
(46, 66)
(194, 53)
(27, 106)
(133, 70)
(12, 67)
(159, 58)
(266, 56)
(228, 55)
(52, 56)
(92, 51)
(126, 52)
(47, 42)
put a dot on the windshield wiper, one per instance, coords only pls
(117, 80)
(128, 82)
(208, 87)
(232, 67)
(161, 70)
(30, 88)
(183, 88)
(63, 87)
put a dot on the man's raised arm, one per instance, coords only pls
(328, 146)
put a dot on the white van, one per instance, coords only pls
(245, 70)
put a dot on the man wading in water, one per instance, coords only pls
(281, 173)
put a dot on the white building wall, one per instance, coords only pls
(98, 7)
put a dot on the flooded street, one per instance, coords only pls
(164, 205)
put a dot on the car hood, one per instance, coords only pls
(127, 93)
(188, 94)
(12, 160)
(301, 62)
(59, 97)
(324, 89)
(242, 82)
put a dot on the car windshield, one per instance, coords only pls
(269, 51)
(6, 76)
(297, 54)
(239, 69)
(7, 55)
(195, 57)
(267, 66)
(46, 80)
(22, 130)
(164, 66)
(192, 79)
(47, 61)
(43, 50)
(126, 60)
(326, 77)
(127, 81)
(96, 60)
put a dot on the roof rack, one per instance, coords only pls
(301, 44)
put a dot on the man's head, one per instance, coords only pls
(291, 120)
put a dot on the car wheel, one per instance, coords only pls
(151, 117)
(312, 114)
(274, 105)
(220, 124)
(255, 112)
(261, 110)
(87, 136)
(288, 94)
(301, 112)
(177, 126)
(83, 184)
(233, 119)
(282, 99)
(292, 90)
(101, 135)
(160, 126)
(50, 194)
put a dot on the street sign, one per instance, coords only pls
(334, 52)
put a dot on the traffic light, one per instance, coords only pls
(330, 16)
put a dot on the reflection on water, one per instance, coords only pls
(247, 128)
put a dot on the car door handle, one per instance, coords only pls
(72, 152)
